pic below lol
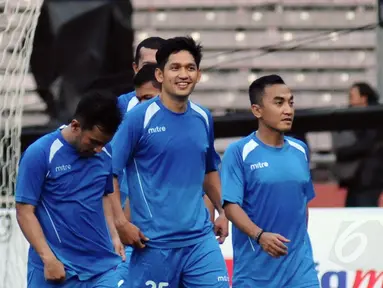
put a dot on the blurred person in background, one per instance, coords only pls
(145, 54)
(359, 155)
(145, 83)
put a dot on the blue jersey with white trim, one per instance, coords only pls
(67, 191)
(166, 156)
(127, 101)
(273, 186)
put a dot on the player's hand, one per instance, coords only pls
(273, 244)
(131, 235)
(119, 248)
(221, 227)
(54, 270)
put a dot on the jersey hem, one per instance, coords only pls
(81, 276)
(179, 244)
(21, 199)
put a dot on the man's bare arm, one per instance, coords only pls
(271, 243)
(115, 200)
(212, 188)
(241, 220)
(118, 247)
(127, 209)
(109, 216)
(33, 232)
(209, 207)
(129, 233)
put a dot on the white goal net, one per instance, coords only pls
(18, 20)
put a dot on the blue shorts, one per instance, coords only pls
(123, 268)
(199, 265)
(109, 279)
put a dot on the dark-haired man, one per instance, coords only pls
(167, 147)
(145, 83)
(266, 188)
(62, 200)
(145, 54)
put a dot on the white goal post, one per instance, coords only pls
(18, 21)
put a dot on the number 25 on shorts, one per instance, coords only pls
(153, 284)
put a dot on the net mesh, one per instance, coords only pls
(18, 20)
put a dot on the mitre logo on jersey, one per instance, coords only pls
(63, 168)
(158, 129)
(259, 165)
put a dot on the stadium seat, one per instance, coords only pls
(232, 3)
(257, 39)
(296, 80)
(257, 19)
(240, 100)
(289, 60)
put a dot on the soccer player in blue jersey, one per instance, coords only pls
(146, 87)
(266, 186)
(167, 147)
(145, 54)
(62, 201)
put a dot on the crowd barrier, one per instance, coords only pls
(347, 247)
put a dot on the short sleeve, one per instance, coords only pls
(232, 177)
(125, 141)
(212, 158)
(33, 168)
(122, 104)
(310, 191)
(109, 184)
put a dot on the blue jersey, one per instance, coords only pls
(166, 156)
(67, 191)
(273, 186)
(127, 101)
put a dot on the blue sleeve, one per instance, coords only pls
(125, 141)
(309, 191)
(122, 104)
(33, 168)
(212, 158)
(109, 185)
(232, 178)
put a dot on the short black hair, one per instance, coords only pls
(99, 108)
(151, 43)
(257, 88)
(145, 75)
(367, 91)
(175, 45)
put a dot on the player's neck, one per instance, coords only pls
(270, 137)
(67, 135)
(174, 104)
